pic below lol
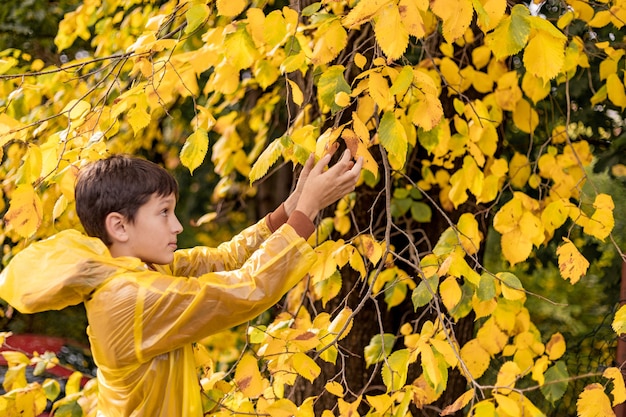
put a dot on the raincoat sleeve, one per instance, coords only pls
(229, 255)
(144, 314)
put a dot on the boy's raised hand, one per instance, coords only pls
(319, 188)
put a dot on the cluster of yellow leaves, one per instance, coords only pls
(23, 398)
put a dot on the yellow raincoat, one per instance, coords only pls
(142, 321)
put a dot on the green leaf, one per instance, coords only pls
(395, 370)
(486, 287)
(265, 161)
(70, 409)
(510, 280)
(52, 389)
(555, 383)
(393, 137)
(511, 35)
(379, 347)
(195, 149)
(423, 293)
(395, 293)
(402, 82)
(329, 288)
(311, 9)
(421, 212)
(195, 16)
(399, 206)
(330, 83)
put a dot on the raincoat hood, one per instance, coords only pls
(58, 272)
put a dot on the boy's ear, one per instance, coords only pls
(115, 224)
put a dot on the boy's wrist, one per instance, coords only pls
(309, 210)
(290, 204)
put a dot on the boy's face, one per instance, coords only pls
(152, 236)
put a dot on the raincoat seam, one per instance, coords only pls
(138, 327)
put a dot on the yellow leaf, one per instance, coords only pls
(507, 406)
(507, 376)
(491, 337)
(77, 109)
(343, 319)
(619, 321)
(456, 17)
(593, 402)
(381, 403)
(194, 150)
(601, 222)
(485, 408)
(379, 90)
(358, 148)
(395, 368)
(490, 14)
(394, 139)
(458, 404)
(534, 87)
(470, 235)
(427, 112)
(411, 18)
(615, 89)
(508, 217)
(539, 368)
(25, 211)
(554, 215)
(544, 55)
(572, 264)
(230, 8)
(392, 42)
(138, 115)
(268, 158)
(525, 116)
(334, 388)
(475, 358)
(555, 348)
(275, 28)
(508, 92)
(451, 293)
(519, 170)
(481, 56)
(72, 386)
(449, 353)
(330, 39)
(281, 408)
(515, 246)
(363, 12)
(342, 99)
(619, 390)
(240, 50)
(248, 377)
(305, 366)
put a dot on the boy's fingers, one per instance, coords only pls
(321, 164)
(308, 165)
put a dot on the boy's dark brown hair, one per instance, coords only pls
(119, 183)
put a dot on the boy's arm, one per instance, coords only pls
(151, 312)
(232, 254)
(316, 189)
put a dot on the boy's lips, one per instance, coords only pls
(173, 245)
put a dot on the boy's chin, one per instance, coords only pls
(163, 260)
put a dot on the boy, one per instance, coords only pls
(146, 302)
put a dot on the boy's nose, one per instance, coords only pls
(177, 226)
